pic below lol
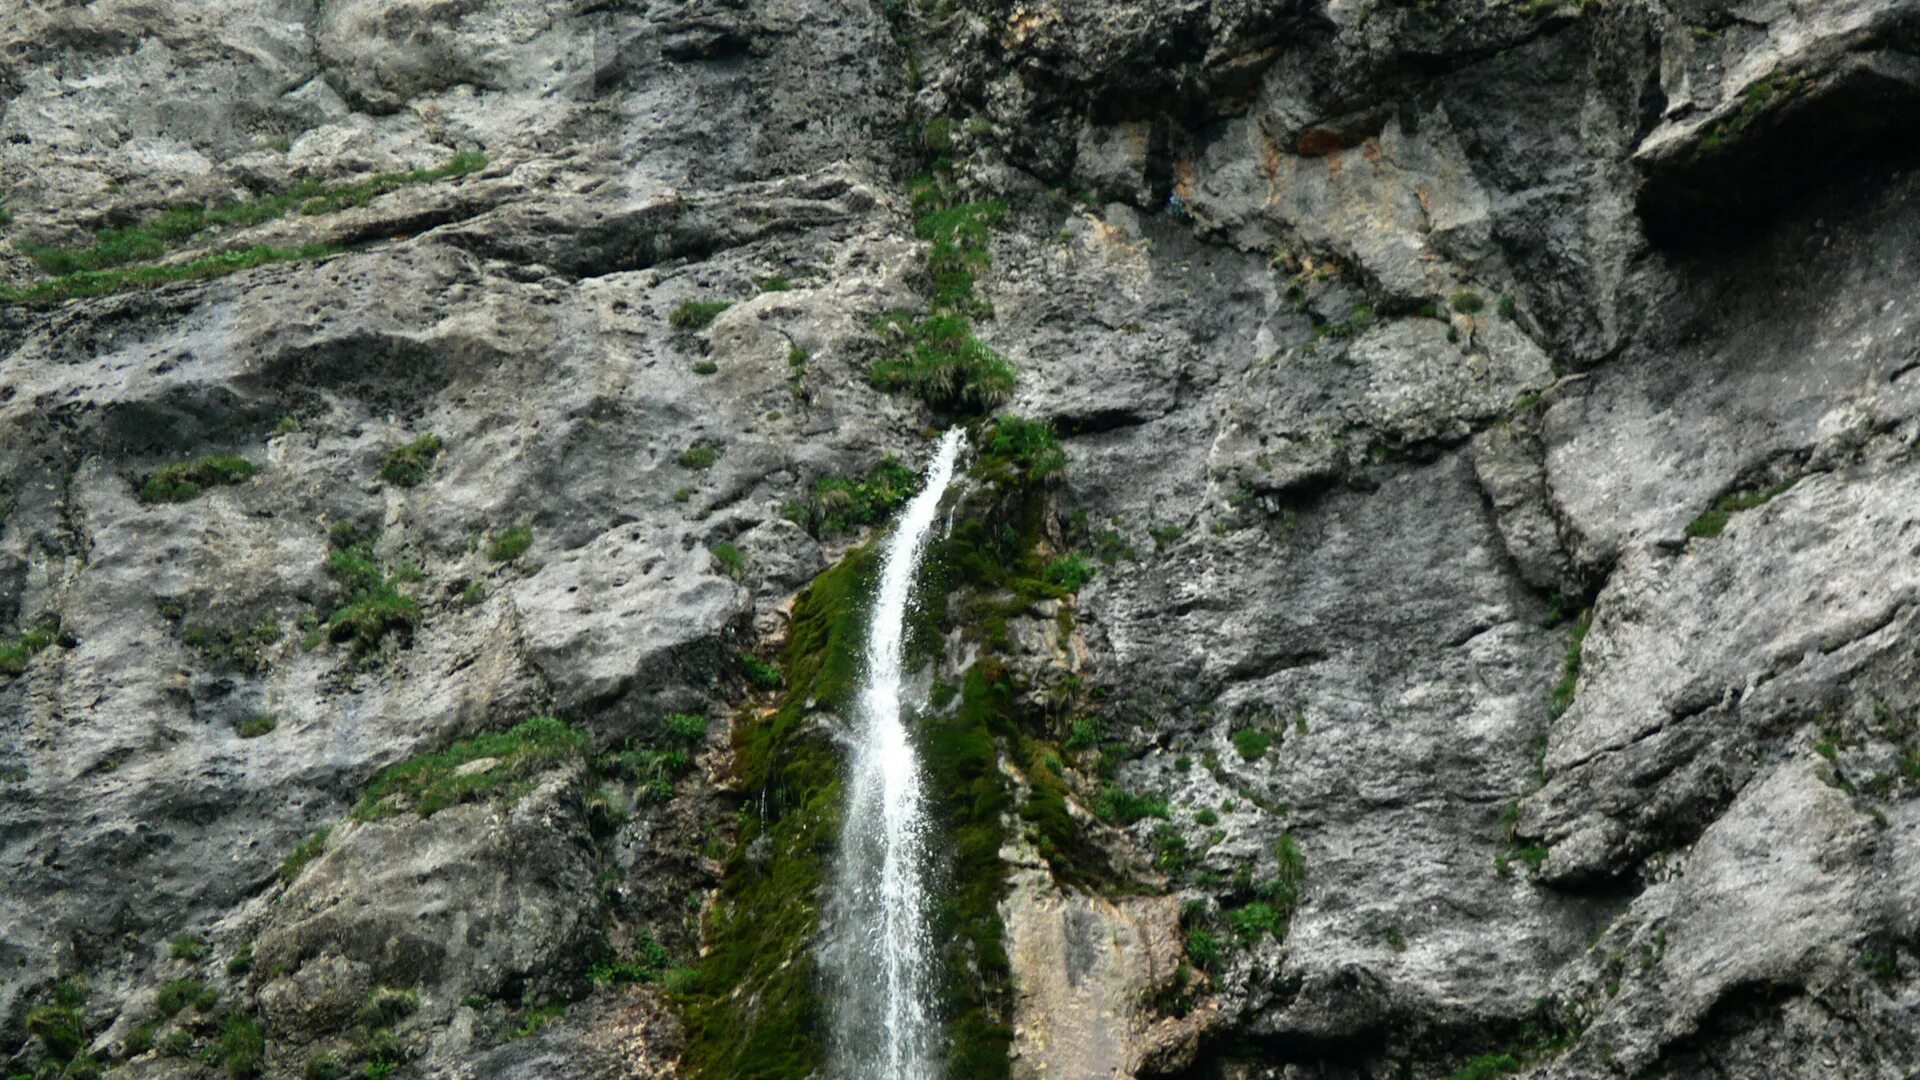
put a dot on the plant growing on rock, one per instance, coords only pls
(186, 480)
(510, 761)
(15, 653)
(696, 314)
(510, 543)
(409, 464)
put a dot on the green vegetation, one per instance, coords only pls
(1754, 103)
(732, 562)
(178, 483)
(183, 994)
(1712, 522)
(1468, 302)
(944, 365)
(648, 961)
(1562, 697)
(386, 1006)
(1031, 445)
(1508, 309)
(244, 647)
(256, 726)
(16, 652)
(242, 1049)
(303, 853)
(701, 455)
(435, 781)
(696, 314)
(153, 237)
(408, 465)
(241, 961)
(188, 947)
(705, 367)
(941, 361)
(510, 543)
(1118, 806)
(762, 675)
(1251, 743)
(372, 605)
(1068, 572)
(1487, 1067)
(61, 1027)
(1358, 319)
(838, 505)
(752, 1013)
(102, 282)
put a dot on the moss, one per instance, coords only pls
(696, 314)
(753, 1011)
(254, 727)
(510, 543)
(186, 480)
(409, 464)
(1713, 521)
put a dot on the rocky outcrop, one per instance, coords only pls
(1489, 428)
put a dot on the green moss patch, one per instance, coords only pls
(1713, 521)
(409, 464)
(838, 505)
(753, 1011)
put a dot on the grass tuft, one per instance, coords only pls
(409, 464)
(186, 480)
(432, 782)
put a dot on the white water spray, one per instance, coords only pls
(880, 957)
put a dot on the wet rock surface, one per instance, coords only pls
(1492, 426)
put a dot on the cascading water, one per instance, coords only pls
(879, 960)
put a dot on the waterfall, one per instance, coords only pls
(879, 960)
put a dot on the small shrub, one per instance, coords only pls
(1084, 733)
(288, 424)
(1206, 817)
(1069, 572)
(474, 593)
(700, 455)
(1030, 443)
(762, 675)
(696, 314)
(323, 1066)
(255, 727)
(1118, 806)
(1169, 850)
(61, 1028)
(186, 480)
(188, 947)
(705, 367)
(386, 1006)
(510, 543)
(1259, 918)
(1508, 309)
(1251, 743)
(409, 464)
(1203, 948)
(1468, 302)
(685, 727)
(732, 562)
(241, 961)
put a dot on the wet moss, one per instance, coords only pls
(753, 1012)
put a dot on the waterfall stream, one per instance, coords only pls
(879, 962)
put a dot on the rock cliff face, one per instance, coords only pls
(1477, 626)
